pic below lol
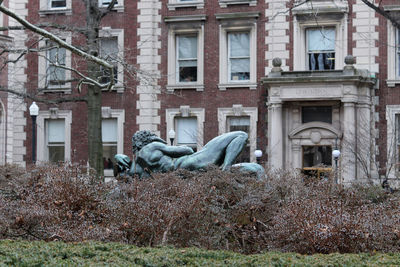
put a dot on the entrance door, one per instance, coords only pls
(317, 161)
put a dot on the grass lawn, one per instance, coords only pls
(24, 253)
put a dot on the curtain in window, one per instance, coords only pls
(187, 130)
(322, 39)
(109, 130)
(56, 131)
(187, 47)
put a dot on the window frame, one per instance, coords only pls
(55, 114)
(308, 49)
(176, 128)
(46, 9)
(393, 154)
(52, 144)
(108, 32)
(184, 112)
(172, 83)
(237, 110)
(178, 59)
(224, 70)
(393, 64)
(42, 69)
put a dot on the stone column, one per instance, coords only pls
(296, 154)
(275, 140)
(348, 156)
(364, 141)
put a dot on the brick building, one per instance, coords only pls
(212, 70)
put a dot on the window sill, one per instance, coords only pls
(226, 3)
(115, 8)
(198, 87)
(196, 4)
(65, 11)
(119, 88)
(392, 83)
(66, 89)
(224, 86)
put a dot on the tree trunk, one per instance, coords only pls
(94, 93)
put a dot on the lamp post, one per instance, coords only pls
(336, 154)
(34, 112)
(258, 153)
(171, 135)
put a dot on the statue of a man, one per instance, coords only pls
(152, 154)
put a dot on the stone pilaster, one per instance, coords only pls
(148, 59)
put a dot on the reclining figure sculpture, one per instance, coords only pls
(152, 154)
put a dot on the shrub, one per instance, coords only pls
(210, 209)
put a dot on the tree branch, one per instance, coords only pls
(109, 8)
(45, 100)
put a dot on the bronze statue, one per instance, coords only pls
(152, 154)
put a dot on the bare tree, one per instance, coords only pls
(95, 66)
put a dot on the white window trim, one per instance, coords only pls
(119, 114)
(53, 113)
(226, 3)
(392, 69)
(184, 112)
(45, 8)
(119, 33)
(42, 69)
(173, 4)
(240, 111)
(224, 81)
(2, 134)
(172, 81)
(391, 112)
(300, 46)
(117, 7)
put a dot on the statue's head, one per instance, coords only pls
(142, 138)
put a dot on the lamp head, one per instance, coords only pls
(34, 109)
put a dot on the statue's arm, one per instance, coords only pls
(176, 151)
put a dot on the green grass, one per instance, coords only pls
(24, 253)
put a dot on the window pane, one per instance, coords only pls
(58, 3)
(240, 69)
(109, 151)
(187, 74)
(317, 156)
(55, 131)
(56, 153)
(239, 44)
(321, 39)
(186, 130)
(187, 47)
(318, 113)
(109, 51)
(107, 2)
(241, 124)
(321, 61)
(109, 130)
(56, 55)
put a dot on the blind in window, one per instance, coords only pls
(109, 130)
(321, 39)
(187, 130)
(56, 131)
(187, 47)
(239, 121)
(109, 48)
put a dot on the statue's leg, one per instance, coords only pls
(233, 150)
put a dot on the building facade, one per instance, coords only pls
(277, 69)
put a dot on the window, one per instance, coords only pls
(186, 131)
(238, 50)
(186, 60)
(111, 48)
(109, 132)
(239, 118)
(55, 130)
(58, 4)
(112, 130)
(188, 124)
(239, 56)
(185, 52)
(318, 113)
(107, 2)
(118, 6)
(110, 52)
(173, 4)
(51, 74)
(55, 56)
(321, 48)
(241, 124)
(48, 7)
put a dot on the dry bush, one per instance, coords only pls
(210, 209)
